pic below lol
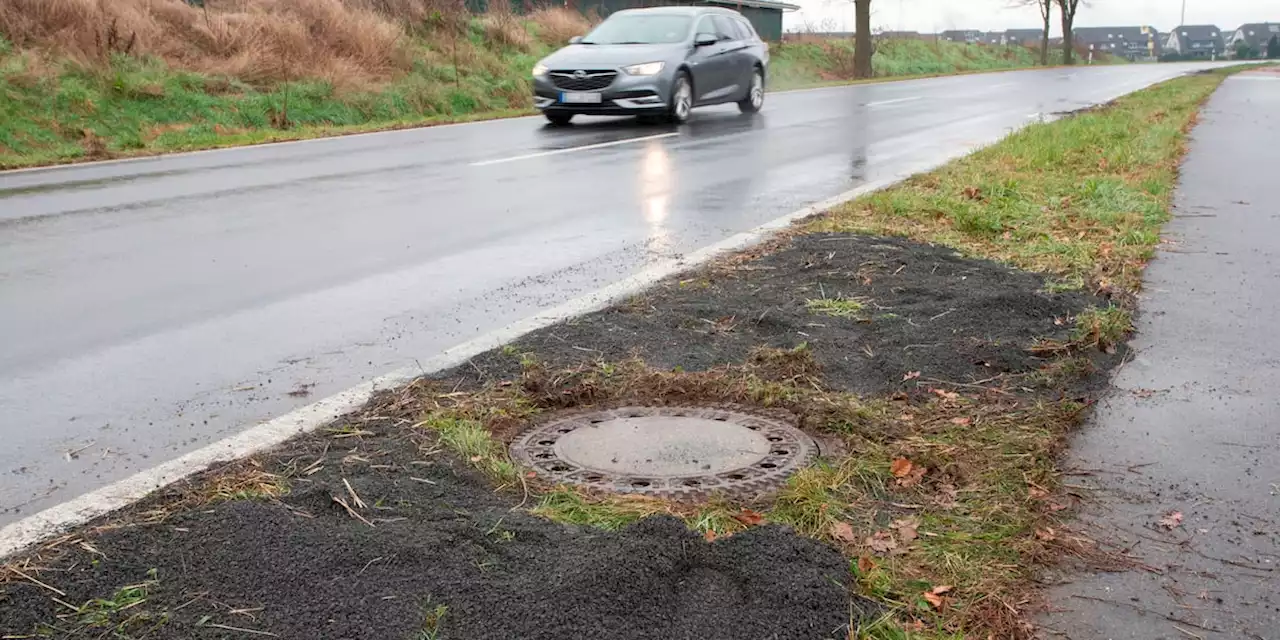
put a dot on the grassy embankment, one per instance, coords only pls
(81, 79)
(1081, 200)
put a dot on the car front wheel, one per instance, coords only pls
(755, 96)
(681, 99)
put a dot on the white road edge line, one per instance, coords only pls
(30, 531)
(894, 101)
(585, 147)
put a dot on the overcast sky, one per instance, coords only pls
(995, 15)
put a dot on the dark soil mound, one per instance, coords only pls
(305, 569)
(924, 308)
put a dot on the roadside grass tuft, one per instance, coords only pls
(1102, 328)
(838, 307)
(433, 617)
(121, 615)
(1081, 199)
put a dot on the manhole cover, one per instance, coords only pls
(668, 451)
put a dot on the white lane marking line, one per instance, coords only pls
(1002, 85)
(29, 531)
(894, 101)
(585, 147)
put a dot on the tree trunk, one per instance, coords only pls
(1046, 11)
(1068, 42)
(863, 48)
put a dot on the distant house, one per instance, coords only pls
(904, 35)
(994, 38)
(1134, 43)
(1195, 41)
(1255, 36)
(1023, 37)
(965, 35)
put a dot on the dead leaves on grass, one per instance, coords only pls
(934, 596)
(906, 473)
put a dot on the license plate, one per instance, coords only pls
(580, 98)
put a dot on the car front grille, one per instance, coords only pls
(584, 80)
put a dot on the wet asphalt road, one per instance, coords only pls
(1191, 425)
(154, 306)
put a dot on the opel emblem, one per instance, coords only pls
(579, 74)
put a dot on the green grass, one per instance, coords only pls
(55, 110)
(837, 307)
(122, 615)
(1082, 199)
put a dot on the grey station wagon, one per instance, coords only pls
(659, 62)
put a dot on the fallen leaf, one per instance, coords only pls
(842, 531)
(907, 529)
(749, 517)
(934, 595)
(963, 422)
(882, 542)
(1055, 507)
(906, 417)
(912, 479)
(710, 536)
(915, 625)
(1046, 534)
(900, 467)
(944, 394)
(477, 458)
(910, 375)
(1037, 493)
(973, 193)
(865, 564)
(1171, 520)
(531, 474)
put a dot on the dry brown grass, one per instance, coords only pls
(556, 25)
(255, 40)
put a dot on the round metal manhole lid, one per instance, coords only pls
(667, 451)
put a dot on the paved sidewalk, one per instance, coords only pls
(1193, 423)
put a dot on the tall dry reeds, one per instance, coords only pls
(254, 40)
(555, 25)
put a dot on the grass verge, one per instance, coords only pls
(1082, 199)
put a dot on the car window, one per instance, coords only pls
(748, 33)
(707, 27)
(725, 28)
(624, 28)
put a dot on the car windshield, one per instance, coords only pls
(640, 29)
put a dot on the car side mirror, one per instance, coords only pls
(575, 40)
(704, 39)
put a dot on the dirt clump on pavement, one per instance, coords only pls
(433, 552)
(871, 309)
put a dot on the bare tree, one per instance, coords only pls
(863, 46)
(1068, 8)
(1046, 10)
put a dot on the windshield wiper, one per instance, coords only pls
(631, 42)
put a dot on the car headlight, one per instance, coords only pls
(646, 69)
(539, 70)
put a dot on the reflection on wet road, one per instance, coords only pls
(156, 305)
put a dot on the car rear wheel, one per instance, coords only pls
(755, 95)
(681, 99)
(558, 119)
